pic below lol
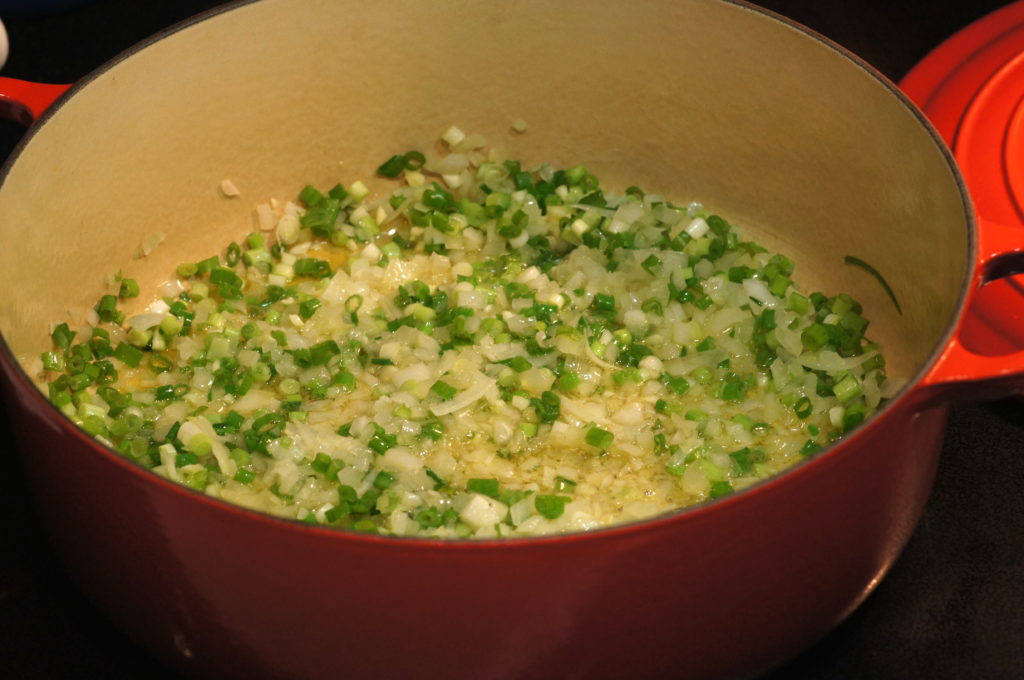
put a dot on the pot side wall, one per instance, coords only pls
(726, 591)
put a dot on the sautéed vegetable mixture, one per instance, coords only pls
(486, 351)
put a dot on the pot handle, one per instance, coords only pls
(20, 100)
(24, 102)
(960, 373)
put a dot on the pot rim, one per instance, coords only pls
(23, 385)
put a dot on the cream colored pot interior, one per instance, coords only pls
(697, 99)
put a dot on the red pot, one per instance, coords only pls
(705, 99)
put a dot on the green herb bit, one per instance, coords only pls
(743, 460)
(627, 375)
(310, 195)
(550, 506)
(564, 484)
(107, 310)
(171, 392)
(62, 336)
(244, 476)
(439, 483)
(187, 270)
(853, 416)
(632, 353)
(322, 217)
(652, 265)
(342, 510)
(397, 164)
(814, 337)
(392, 167)
(604, 304)
(198, 480)
(703, 302)
(652, 306)
(352, 305)
(125, 424)
(53, 361)
(528, 429)
(735, 388)
(487, 487)
(307, 308)
(443, 390)
(437, 197)
(745, 421)
(706, 344)
(313, 268)
(696, 415)
(129, 288)
(548, 407)
(432, 430)
(327, 466)
(678, 385)
(810, 448)
(232, 254)
(207, 265)
(599, 438)
(382, 441)
(183, 459)
(803, 407)
(128, 355)
(430, 518)
(231, 424)
(344, 380)
(517, 364)
(568, 381)
(766, 320)
(338, 192)
(383, 480)
(719, 489)
(798, 303)
(847, 389)
(323, 352)
(667, 407)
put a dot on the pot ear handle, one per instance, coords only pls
(992, 366)
(20, 100)
(24, 102)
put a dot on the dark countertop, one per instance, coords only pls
(953, 605)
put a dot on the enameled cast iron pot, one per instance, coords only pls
(712, 100)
